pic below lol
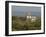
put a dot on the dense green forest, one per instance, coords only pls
(21, 23)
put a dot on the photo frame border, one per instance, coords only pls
(7, 17)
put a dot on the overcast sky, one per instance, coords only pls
(19, 10)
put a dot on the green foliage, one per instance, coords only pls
(24, 24)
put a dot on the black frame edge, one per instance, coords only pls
(24, 2)
(6, 18)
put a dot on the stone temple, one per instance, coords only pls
(29, 16)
